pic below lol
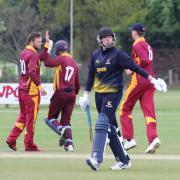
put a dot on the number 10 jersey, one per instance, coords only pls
(29, 79)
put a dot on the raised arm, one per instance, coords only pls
(46, 49)
(52, 62)
(43, 53)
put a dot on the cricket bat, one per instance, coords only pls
(89, 122)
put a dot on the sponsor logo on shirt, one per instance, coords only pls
(109, 104)
(103, 69)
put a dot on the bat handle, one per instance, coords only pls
(91, 134)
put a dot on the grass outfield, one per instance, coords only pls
(168, 113)
(37, 169)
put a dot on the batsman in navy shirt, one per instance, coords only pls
(106, 75)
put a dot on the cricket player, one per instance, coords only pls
(66, 87)
(106, 73)
(142, 90)
(30, 89)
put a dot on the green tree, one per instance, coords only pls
(19, 20)
(163, 14)
(163, 22)
(120, 15)
(89, 16)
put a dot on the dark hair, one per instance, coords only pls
(140, 33)
(33, 36)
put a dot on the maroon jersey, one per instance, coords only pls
(66, 73)
(29, 70)
(142, 54)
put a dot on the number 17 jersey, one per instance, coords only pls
(66, 75)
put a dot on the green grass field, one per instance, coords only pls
(168, 113)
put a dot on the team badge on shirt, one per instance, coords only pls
(108, 61)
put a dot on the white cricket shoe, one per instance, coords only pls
(119, 166)
(130, 144)
(152, 148)
(92, 163)
(69, 148)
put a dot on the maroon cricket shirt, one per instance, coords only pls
(66, 72)
(29, 79)
(142, 54)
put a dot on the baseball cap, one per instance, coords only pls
(138, 27)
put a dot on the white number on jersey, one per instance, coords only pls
(150, 53)
(23, 66)
(69, 73)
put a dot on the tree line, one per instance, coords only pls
(20, 17)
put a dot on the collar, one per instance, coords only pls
(30, 47)
(108, 49)
(65, 54)
(138, 40)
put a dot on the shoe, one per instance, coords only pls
(12, 145)
(120, 165)
(62, 130)
(32, 150)
(153, 146)
(32, 147)
(69, 148)
(61, 141)
(92, 163)
(130, 144)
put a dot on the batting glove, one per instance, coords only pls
(159, 84)
(163, 84)
(84, 101)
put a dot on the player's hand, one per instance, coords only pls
(159, 84)
(42, 91)
(84, 101)
(163, 84)
(49, 41)
(50, 46)
(47, 36)
(128, 72)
